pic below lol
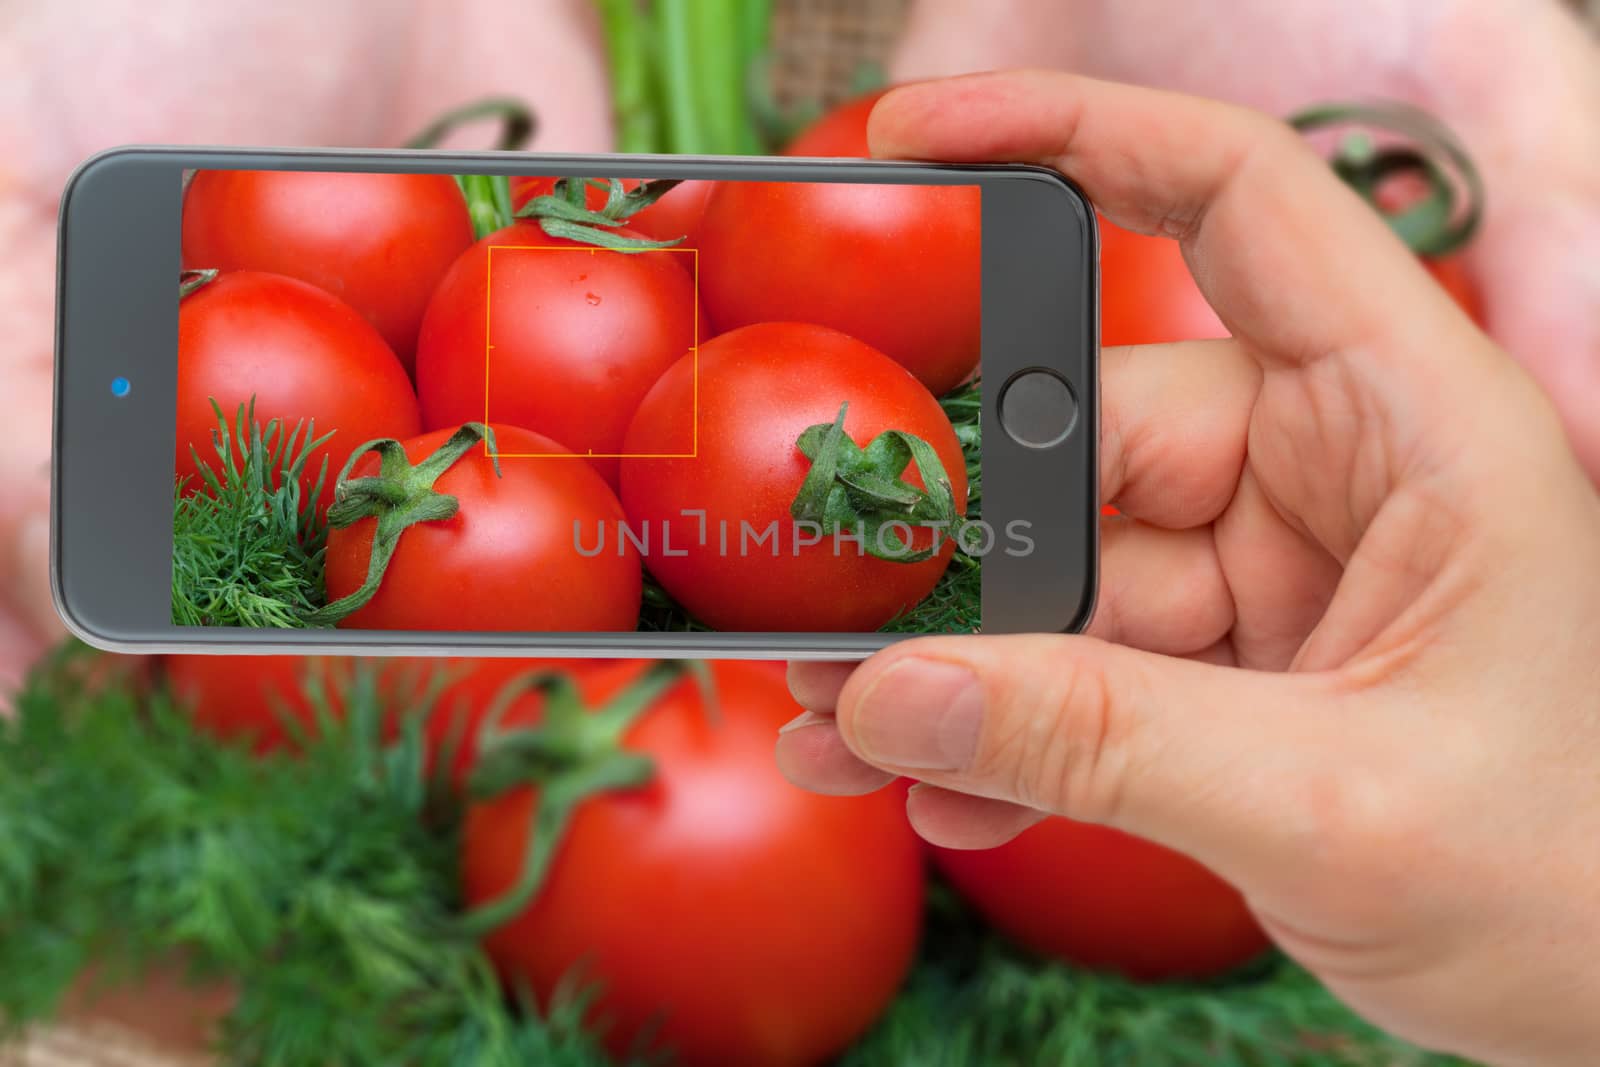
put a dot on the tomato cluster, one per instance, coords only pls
(642, 374)
(512, 387)
(715, 909)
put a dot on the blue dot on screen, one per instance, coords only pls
(120, 386)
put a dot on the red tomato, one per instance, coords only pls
(676, 214)
(1099, 898)
(509, 559)
(757, 389)
(1147, 295)
(379, 242)
(757, 923)
(579, 336)
(301, 353)
(1451, 273)
(841, 133)
(896, 266)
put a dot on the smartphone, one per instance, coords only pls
(380, 402)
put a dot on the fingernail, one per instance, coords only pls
(802, 720)
(920, 713)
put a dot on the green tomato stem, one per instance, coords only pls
(1449, 213)
(488, 202)
(191, 280)
(501, 191)
(399, 496)
(861, 490)
(517, 123)
(564, 213)
(572, 755)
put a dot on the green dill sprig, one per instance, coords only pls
(320, 886)
(660, 613)
(964, 409)
(953, 607)
(247, 548)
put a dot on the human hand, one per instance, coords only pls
(83, 77)
(1345, 648)
(1531, 120)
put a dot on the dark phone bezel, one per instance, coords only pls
(118, 258)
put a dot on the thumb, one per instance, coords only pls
(1217, 762)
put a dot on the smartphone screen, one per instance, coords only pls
(435, 402)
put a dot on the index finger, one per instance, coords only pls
(1293, 262)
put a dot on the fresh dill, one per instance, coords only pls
(247, 547)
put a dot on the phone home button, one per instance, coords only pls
(1037, 408)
